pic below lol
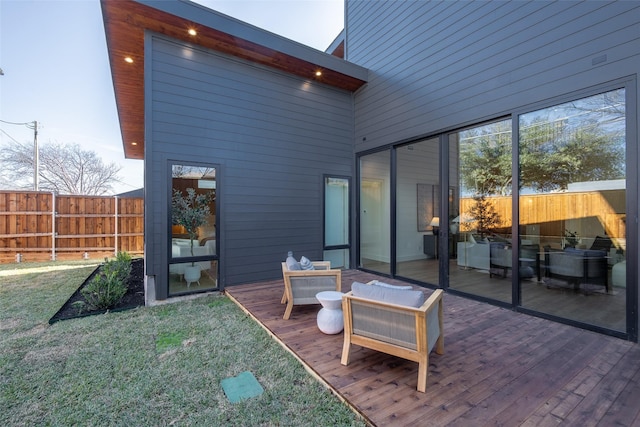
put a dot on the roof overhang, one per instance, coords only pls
(125, 24)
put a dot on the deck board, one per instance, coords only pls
(500, 367)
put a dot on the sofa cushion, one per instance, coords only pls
(404, 297)
(387, 285)
(292, 264)
(585, 252)
(306, 264)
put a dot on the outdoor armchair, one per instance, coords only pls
(383, 322)
(301, 286)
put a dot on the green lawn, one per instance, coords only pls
(150, 366)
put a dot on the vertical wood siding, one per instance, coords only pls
(82, 224)
(272, 136)
(440, 65)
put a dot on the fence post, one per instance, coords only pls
(53, 226)
(115, 249)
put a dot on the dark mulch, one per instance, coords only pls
(132, 299)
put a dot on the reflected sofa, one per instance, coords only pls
(182, 248)
(577, 266)
(474, 254)
(501, 259)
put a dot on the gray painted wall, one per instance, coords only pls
(435, 66)
(273, 136)
(439, 65)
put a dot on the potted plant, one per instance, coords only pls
(571, 239)
(191, 211)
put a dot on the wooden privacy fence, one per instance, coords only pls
(588, 213)
(38, 225)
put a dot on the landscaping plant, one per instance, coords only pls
(109, 285)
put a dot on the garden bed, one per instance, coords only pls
(134, 297)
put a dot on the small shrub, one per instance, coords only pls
(79, 306)
(108, 287)
(121, 266)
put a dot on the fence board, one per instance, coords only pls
(82, 224)
(552, 211)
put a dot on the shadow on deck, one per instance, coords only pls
(500, 367)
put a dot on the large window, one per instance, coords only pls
(193, 265)
(562, 254)
(572, 208)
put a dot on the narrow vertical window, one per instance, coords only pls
(193, 265)
(336, 221)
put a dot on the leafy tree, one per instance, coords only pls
(583, 154)
(553, 153)
(485, 159)
(63, 168)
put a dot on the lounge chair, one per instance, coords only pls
(385, 320)
(301, 286)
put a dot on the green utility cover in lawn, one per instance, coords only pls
(241, 387)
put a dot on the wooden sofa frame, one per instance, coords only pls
(412, 335)
(301, 286)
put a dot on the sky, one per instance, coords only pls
(56, 71)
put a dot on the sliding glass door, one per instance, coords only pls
(573, 209)
(418, 211)
(536, 216)
(374, 205)
(480, 175)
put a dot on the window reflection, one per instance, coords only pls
(572, 205)
(482, 224)
(193, 229)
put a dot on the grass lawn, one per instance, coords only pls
(151, 366)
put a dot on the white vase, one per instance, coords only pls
(192, 274)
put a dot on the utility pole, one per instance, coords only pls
(36, 155)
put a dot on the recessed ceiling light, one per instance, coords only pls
(128, 59)
(318, 73)
(134, 143)
(192, 32)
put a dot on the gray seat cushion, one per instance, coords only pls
(404, 297)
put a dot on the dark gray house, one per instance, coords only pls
(487, 148)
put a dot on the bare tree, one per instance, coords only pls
(63, 168)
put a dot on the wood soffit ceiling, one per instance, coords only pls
(125, 23)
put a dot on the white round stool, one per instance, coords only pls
(330, 320)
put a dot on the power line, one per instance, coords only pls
(17, 124)
(12, 138)
(36, 152)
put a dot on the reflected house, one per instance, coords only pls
(407, 120)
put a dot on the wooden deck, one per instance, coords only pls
(499, 368)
